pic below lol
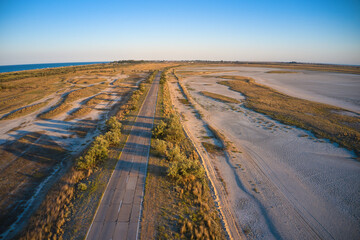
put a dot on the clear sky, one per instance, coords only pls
(35, 31)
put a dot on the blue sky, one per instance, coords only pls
(255, 30)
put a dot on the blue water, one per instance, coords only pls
(14, 68)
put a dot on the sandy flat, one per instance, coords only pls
(338, 89)
(306, 188)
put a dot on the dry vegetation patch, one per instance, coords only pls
(89, 80)
(277, 71)
(25, 111)
(322, 119)
(84, 92)
(56, 111)
(212, 148)
(219, 97)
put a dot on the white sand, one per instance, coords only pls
(308, 188)
(338, 89)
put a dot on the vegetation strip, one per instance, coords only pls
(190, 211)
(276, 71)
(219, 97)
(325, 121)
(24, 111)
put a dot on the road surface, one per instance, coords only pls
(118, 215)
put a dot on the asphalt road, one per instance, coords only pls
(119, 212)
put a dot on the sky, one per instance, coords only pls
(322, 31)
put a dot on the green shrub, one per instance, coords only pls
(82, 186)
(113, 123)
(159, 130)
(174, 132)
(170, 130)
(113, 137)
(160, 147)
(97, 153)
(186, 171)
(175, 154)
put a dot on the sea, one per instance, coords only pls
(14, 68)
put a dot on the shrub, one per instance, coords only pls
(82, 186)
(160, 147)
(113, 137)
(113, 123)
(175, 154)
(96, 154)
(186, 170)
(169, 130)
(159, 130)
(174, 132)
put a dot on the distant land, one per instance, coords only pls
(14, 68)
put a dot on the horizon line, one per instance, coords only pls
(188, 60)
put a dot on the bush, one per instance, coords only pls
(186, 170)
(82, 186)
(113, 137)
(174, 132)
(97, 153)
(159, 130)
(175, 154)
(169, 130)
(160, 147)
(113, 123)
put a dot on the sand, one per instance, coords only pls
(282, 185)
(338, 89)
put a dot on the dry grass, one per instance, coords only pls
(19, 174)
(79, 113)
(84, 92)
(281, 71)
(184, 101)
(97, 100)
(212, 148)
(56, 111)
(219, 97)
(89, 80)
(323, 120)
(25, 111)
